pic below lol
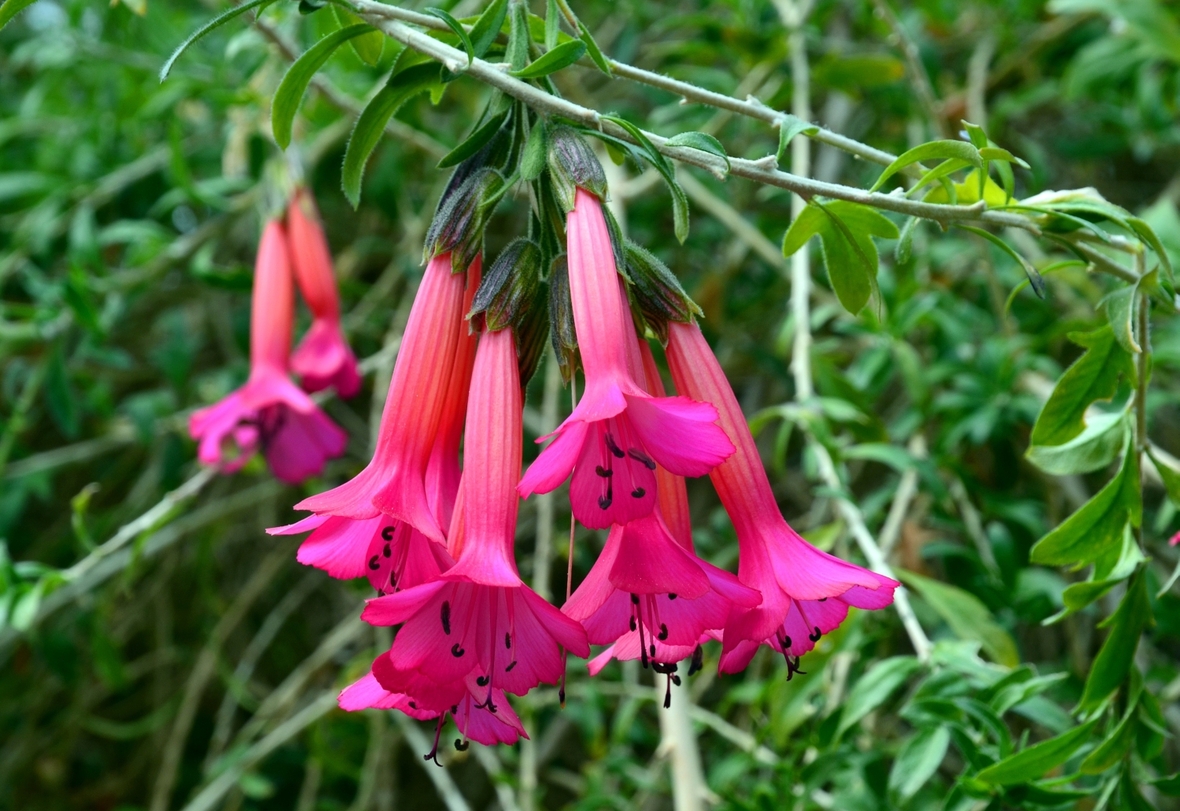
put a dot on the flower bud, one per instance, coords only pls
(657, 292)
(459, 224)
(573, 165)
(510, 286)
(561, 319)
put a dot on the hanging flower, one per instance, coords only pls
(479, 620)
(323, 358)
(269, 412)
(805, 592)
(618, 433)
(394, 554)
(648, 595)
(395, 481)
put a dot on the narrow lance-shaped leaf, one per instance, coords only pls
(1093, 449)
(875, 687)
(297, 77)
(474, 142)
(561, 56)
(596, 55)
(661, 165)
(700, 141)
(457, 29)
(1114, 659)
(935, 150)
(369, 46)
(10, 8)
(1037, 759)
(967, 616)
(371, 124)
(788, 127)
(215, 23)
(1034, 277)
(487, 27)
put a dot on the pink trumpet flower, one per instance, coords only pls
(805, 592)
(269, 412)
(393, 554)
(395, 481)
(323, 358)
(479, 619)
(618, 433)
(648, 594)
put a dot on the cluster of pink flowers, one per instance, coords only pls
(433, 530)
(270, 413)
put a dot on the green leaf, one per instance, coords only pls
(934, 150)
(10, 8)
(369, 46)
(1169, 474)
(60, 398)
(1093, 449)
(1122, 310)
(976, 134)
(788, 127)
(215, 23)
(299, 75)
(897, 458)
(849, 253)
(517, 53)
(596, 55)
(562, 56)
(1114, 659)
(1116, 745)
(994, 153)
(536, 151)
(552, 24)
(1034, 277)
(947, 167)
(1097, 527)
(905, 242)
(918, 760)
(875, 687)
(457, 29)
(806, 225)
(701, 141)
(1109, 571)
(1094, 376)
(370, 126)
(487, 27)
(1145, 232)
(661, 165)
(474, 142)
(1036, 760)
(966, 615)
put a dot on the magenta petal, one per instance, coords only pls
(394, 609)
(650, 562)
(323, 358)
(680, 434)
(302, 444)
(596, 588)
(735, 659)
(490, 728)
(553, 465)
(806, 573)
(339, 546)
(367, 693)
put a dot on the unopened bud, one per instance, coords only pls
(573, 165)
(531, 329)
(459, 224)
(561, 318)
(510, 286)
(657, 292)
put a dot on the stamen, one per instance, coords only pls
(446, 617)
(433, 753)
(380, 592)
(675, 679)
(413, 705)
(387, 534)
(457, 651)
(823, 599)
(698, 660)
(641, 457)
(672, 595)
(507, 640)
(668, 693)
(615, 449)
(635, 599)
(603, 472)
(511, 665)
(652, 649)
(815, 635)
(387, 551)
(633, 623)
(462, 745)
(604, 502)
(482, 681)
(374, 563)
(638, 492)
(663, 632)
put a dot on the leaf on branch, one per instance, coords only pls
(1038, 759)
(475, 141)
(1114, 659)
(661, 165)
(1034, 277)
(701, 141)
(788, 127)
(299, 75)
(370, 126)
(1093, 377)
(536, 152)
(1098, 526)
(849, 253)
(1093, 449)
(368, 47)
(875, 687)
(215, 23)
(457, 29)
(935, 150)
(562, 56)
(487, 27)
(596, 55)
(918, 760)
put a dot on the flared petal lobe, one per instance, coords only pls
(324, 360)
(805, 592)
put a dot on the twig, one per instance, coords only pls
(227, 780)
(84, 451)
(761, 171)
(974, 525)
(907, 488)
(441, 778)
(203, 670)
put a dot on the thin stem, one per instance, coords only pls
(761, 171)
(794, 14)
(1143, 370)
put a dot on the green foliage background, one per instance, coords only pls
(196, 648)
